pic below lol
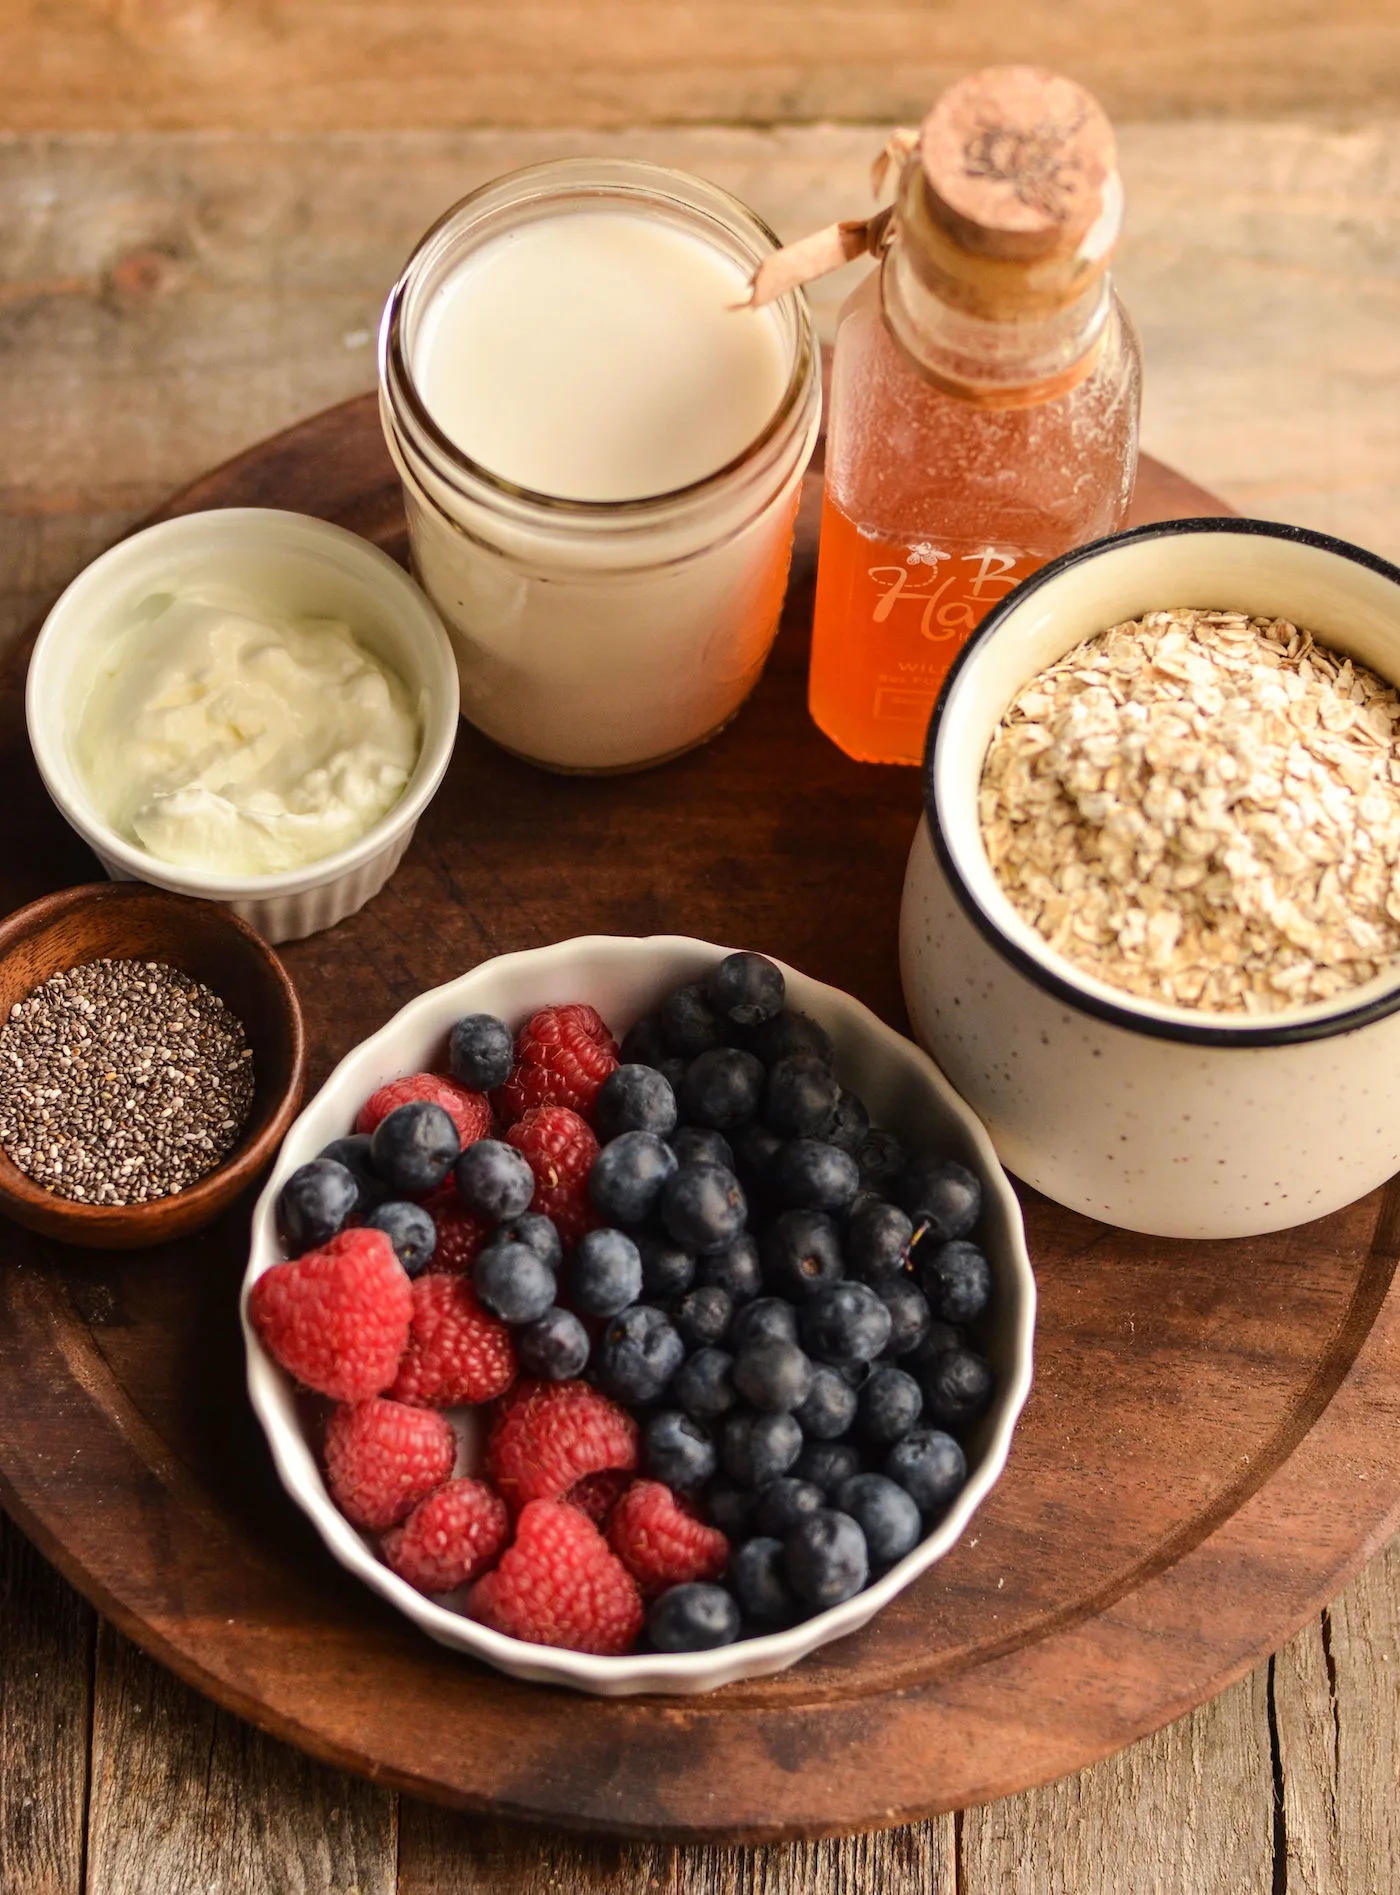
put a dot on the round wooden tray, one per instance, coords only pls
(1206, 1458)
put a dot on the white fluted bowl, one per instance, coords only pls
(623, 977)
(304, 567)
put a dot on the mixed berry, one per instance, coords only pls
(722, 1327)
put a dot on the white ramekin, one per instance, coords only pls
(623, 977)
(298, 565)
(1154, 1117)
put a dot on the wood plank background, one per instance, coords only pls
(202, 204)
(376, 65)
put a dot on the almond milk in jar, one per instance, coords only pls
(601, 452)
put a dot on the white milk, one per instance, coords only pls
(571, 332)
(599, 355)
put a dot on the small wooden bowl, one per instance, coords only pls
(131, 921)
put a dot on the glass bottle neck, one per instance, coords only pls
(1008, 364)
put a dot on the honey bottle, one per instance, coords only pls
(984, 397)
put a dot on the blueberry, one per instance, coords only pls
(941, 1195)
(700, 1145)
(605, 1273)
(494, 1179)
(801, 1253)
(315, 1202)
(756, 1576)
(689, 1024)
(727, 1507)
(643, 1044)
(780, 1504)
(480, 1052)
(414, 1147)
(757, 1448)
(721, 1088)
(845, 1322)
(888, 1406)
(854, 1374)
(536, 1230)
(849, 1124)
(668, 1270)
(930, 1467)
(937, 1339)
(826, 1464)
(693, 1618)
(628, 1175)
(825, 1558)
(703, 1316)
(353, 1153)
(746, 989)
(677, 1450)
(755, 1149)
(789, 1033)
(885, 1513)
(957, 1280)
(703, 1207)
(735, 1269)
(513, 1283)
(881, 1157)
(799, 1100)
(772, 1375)
(909, 1313)
(703, 1386)
(812, 1175)
(637, 1354)
(767, 1319)
(554, 1347)
(672, 1069)
(409, 1229)
(878, 1236)
(829, 1407)
(634, 1099)
(957, 1387)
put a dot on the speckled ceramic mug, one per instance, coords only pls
(1155, 1117)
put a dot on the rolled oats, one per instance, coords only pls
(1203, 808)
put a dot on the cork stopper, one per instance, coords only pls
(1016, 161)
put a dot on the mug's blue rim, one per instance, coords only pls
(1248, 1034)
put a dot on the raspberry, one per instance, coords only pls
(382, 1458)
(597, 1494)
(461, 1234)
(450, 1538)
(560, 1585)
(548, 1435)
(470, 1112)
(562, 1057)
(457, 1355)
(337, 1318)
(661, 1544)
(560, 1149)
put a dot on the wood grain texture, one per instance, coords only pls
(170, 64)
(46, 1655)
(187, 1800)
(1057, 1629)
(1188, 1811)
(1337, 1699)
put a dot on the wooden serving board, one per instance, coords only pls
(1207, 1456)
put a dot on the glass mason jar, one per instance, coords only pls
(599, 635)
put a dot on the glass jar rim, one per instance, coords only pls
(616, 179)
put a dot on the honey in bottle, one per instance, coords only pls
(984, 398)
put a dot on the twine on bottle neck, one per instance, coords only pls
(810, 257)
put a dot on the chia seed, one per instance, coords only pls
(121, 1082)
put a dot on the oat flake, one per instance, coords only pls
(1203, 808)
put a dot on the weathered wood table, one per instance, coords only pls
(166, 300)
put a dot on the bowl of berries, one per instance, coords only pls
(637, 1315)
